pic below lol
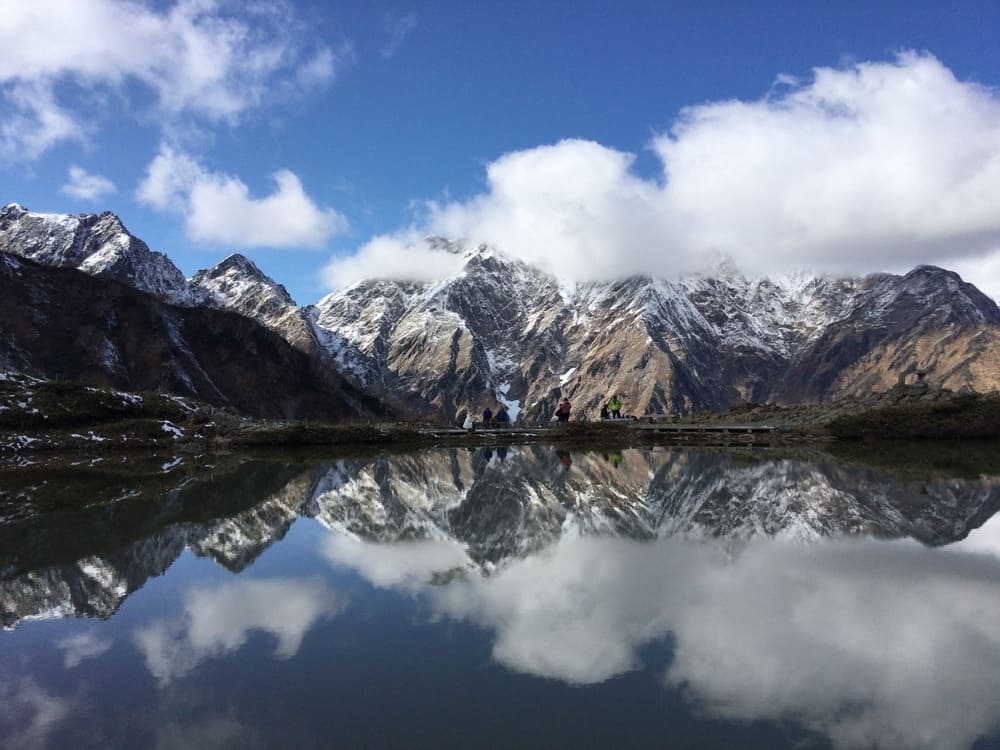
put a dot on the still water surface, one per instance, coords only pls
(522, 597)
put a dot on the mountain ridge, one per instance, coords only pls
(500, 330)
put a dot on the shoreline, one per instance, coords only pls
(52, 417)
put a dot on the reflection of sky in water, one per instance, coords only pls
(870, 643)
(435, 597)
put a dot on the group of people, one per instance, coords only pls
(500, 419)
(611, 409)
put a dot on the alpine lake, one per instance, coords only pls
(524, 596)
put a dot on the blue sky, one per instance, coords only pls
(324, 140)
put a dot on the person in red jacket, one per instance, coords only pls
(562, 413)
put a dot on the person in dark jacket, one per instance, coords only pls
(487, 417)
(502, 418)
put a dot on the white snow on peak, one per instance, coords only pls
(513, 406)
(97, 245)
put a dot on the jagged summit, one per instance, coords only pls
(236, 277)
(99, 245)
(237, 262)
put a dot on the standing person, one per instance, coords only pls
(562, 413)
(615, 406)
(502, 418)
(605, 412)
(487, 417)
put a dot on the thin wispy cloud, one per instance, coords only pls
(32, 121)
(398, 27)
(219, 208)
(84, 186)
(212, 61)
(870, 167)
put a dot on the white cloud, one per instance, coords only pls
(85, 186)
(878, 166)
(213, 59)
(318, 70)
(219, 207)
(892, 163)
(32, 121)
(226, 730)
(398, 26)
(409, 259)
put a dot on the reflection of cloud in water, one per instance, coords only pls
(211, 732)
(984, 540)
(81, 646)
(887, 645)
(388, 565)
(217, 620)
(29, 713)
(871, 643)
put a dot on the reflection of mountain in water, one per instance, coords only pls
(84, 559)
(503, 508)
(99, 546)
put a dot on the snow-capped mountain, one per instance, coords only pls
(237, 285)
(500, 330)
(98, 245)
(102, 246)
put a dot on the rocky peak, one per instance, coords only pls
(237, 263)
(11, 212)
(99, 245)
(238, 285)
(237, 280)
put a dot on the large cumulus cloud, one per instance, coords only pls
(876, 166)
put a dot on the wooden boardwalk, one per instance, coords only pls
(673, 431)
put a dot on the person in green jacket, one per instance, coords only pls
(615, 407)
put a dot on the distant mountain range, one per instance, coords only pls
(497, 329)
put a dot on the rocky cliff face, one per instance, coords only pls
(499, 330)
